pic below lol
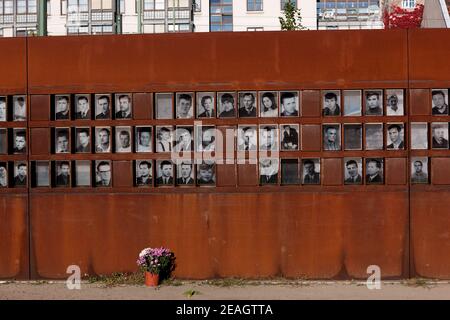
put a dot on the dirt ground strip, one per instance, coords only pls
(194, 290)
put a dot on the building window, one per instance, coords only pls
(254, 5)
(6, 7)
(408, 4)
(101, 4)
(26, 6)
(283, 3)
(221, 15)
(255, 28)
(197, 5)
(63, 7)
(122, 7)
(74, 6)
(154, 5)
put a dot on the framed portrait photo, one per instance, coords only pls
(82, 106)
(185, 173)
(3, 174)
(164, 105)
(103, 139)
(268, 171)
(394, 102)
(62, 107)
(268, 137)
(352, 103)
(373, 102)
(83, 140)
(20, 108)
(82, 173)
(226, 104)
(184, 139)
(311, 171)
(353, 171)
(20, 174)
(19, 140)
(3, 108)
(164, 138)
(374, 171)
(331, 103)
(63, 174)
(289, 171)
(439, 101)
(289, 137)
(395, 136)
(185, 105)
(164, 173)
(352, 136)
(123, 139)
(419, 135)
(247, 137)
(206, 105)
(247, 104)
(206, 173)
(439, 132)
(331, 137)
(62, 140)
(374, 136)
(124, 108)
(144, 173)
(102, 106)
(289, 104)
(205, 138)
(268, 104)
(144, 138)
(103, 173)
(419, 170)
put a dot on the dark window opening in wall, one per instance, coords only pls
(254, 5)
(221, 15)
(255, 28)
(283, 3)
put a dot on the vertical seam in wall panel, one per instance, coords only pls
(408, 158)
(28, 161)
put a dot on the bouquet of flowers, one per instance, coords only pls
(159, 261)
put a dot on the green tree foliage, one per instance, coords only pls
(292, 19)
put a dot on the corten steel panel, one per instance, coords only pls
(292, 234)
(122, 174)
(440, 170)
(247, 174)
(40, 141)
(430, 237)
(226, 175)
(13, 65)
(14, 259)
(211, 60)
(428, 58)
(142, 106)
(420, 102)
(332, 172)
(311, 137)
(40, 107)
(310, 106)
(396, 171)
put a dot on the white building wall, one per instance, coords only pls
(267, 18)
(56, 22)
(130, 17)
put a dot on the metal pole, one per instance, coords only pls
(118, 18)
(42, 18)
(139, 13)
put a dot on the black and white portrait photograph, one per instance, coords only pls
(103, 176)
(374, 171)
(102, 107)
(124, 108)
(353, 136)
(20, 174)
(226, 104)
(353, 171)
(247, 138)
(205, 138)
(83, 173)
(268, 137)
(268, 104)
(123, 139)
(3, 174)
(144, 175)
(62, 178)
(102, 139)
(164, 173)
(20, 141)
(206, 173)
(247, 104)
(439, 100)
(394, 102)
(206, 105)
(82, 107)
(41, 173)
(83, 140)
(331, 103)
(3, 141)
(62, 107)
(419, 135)
(185, 105)
(184, 139)
(374, 102)
(268, 171)
(289, 137)
(311, 171)
(20, 108)
(164, 105)
(374, 136)
(164, 138)
(395, 136)
(289, 104)
(439, 131)
(289, 171)
(143, 137)
(62, 142)
(331, 137)
(3, 109)
(352, 103)
(419, 170)
(185, 173)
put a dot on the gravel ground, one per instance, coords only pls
(199, 290)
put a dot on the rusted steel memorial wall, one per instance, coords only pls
(308, 154)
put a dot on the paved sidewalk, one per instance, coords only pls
(195, 290)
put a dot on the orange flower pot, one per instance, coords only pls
(151, 279)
